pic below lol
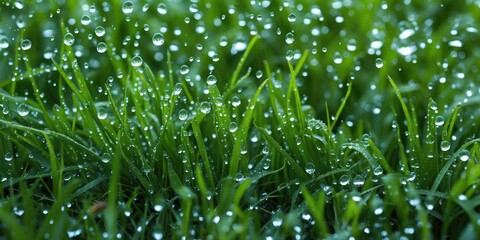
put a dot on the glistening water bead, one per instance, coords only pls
(137, 61)
(68, 39)
(25, 44)
(158, 39)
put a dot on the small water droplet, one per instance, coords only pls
(102, 113)
(106, 157)
(99, 31)
(310, 168)
(23, 110)
(127, 7)
(182, 115)
(292, 17)
(377, 171)
(205, 107)
(445, 145)
(211, 79)
(289, 55)
(379, 63)
(378, 211)
(344, 179)
(177, 89)
(464, 155)
(358, 180)
(289, 38)
(277, 222)
(25, 44)
(337, 58)
(236, 101)
(184, 69)
(162, 8)
(85, 20)
(68, 39)
(158, 39)
(137, 61)
(101, 47)
(439, 121)
(8, 156)
(232, 127)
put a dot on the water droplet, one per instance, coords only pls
(377, 171)
(464, 155)
(445, 145)
(177, 89)
(102, 113)
(236, 101)
(455, 43)
(137, 61)
(352, 45)
(259, 74)
(406, 33)
(8, 156)
(23, 110)
(101, 47)
(218, 101)
(344, 179)
(239, 177)
(25, 44)
(378, 63)
(182, 114)
(439, 121)
(232, 127)
(310, 168)
(289, 38)
(158, 207)
(99, 31)
(337, 58)
(378, 211)
(205, 107)
(158, 39)
(292, 17)
(106, 157)
(184, 69)
(211, 79)
(68, 39)
(85, 20)
(358, 181)
(127, 7)
(162, 8)
(277, 222)
(289, 55)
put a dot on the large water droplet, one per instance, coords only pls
(289, 38)
(127, 7)
(162, 8)
(8, 156)
(344, 179)
(25, 44)
(445, 145)
(310, 168)
(137, 61)
(232, 127)
(68, 39)
(205, 107)
(184, 69)
(182, 115)
(101, 47)
(99, 31)
(106, 157)
(23, 110)
(158, 39)
(378, 63)
(211, 80)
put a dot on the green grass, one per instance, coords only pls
(365, 126)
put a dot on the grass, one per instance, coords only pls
(363, 125)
